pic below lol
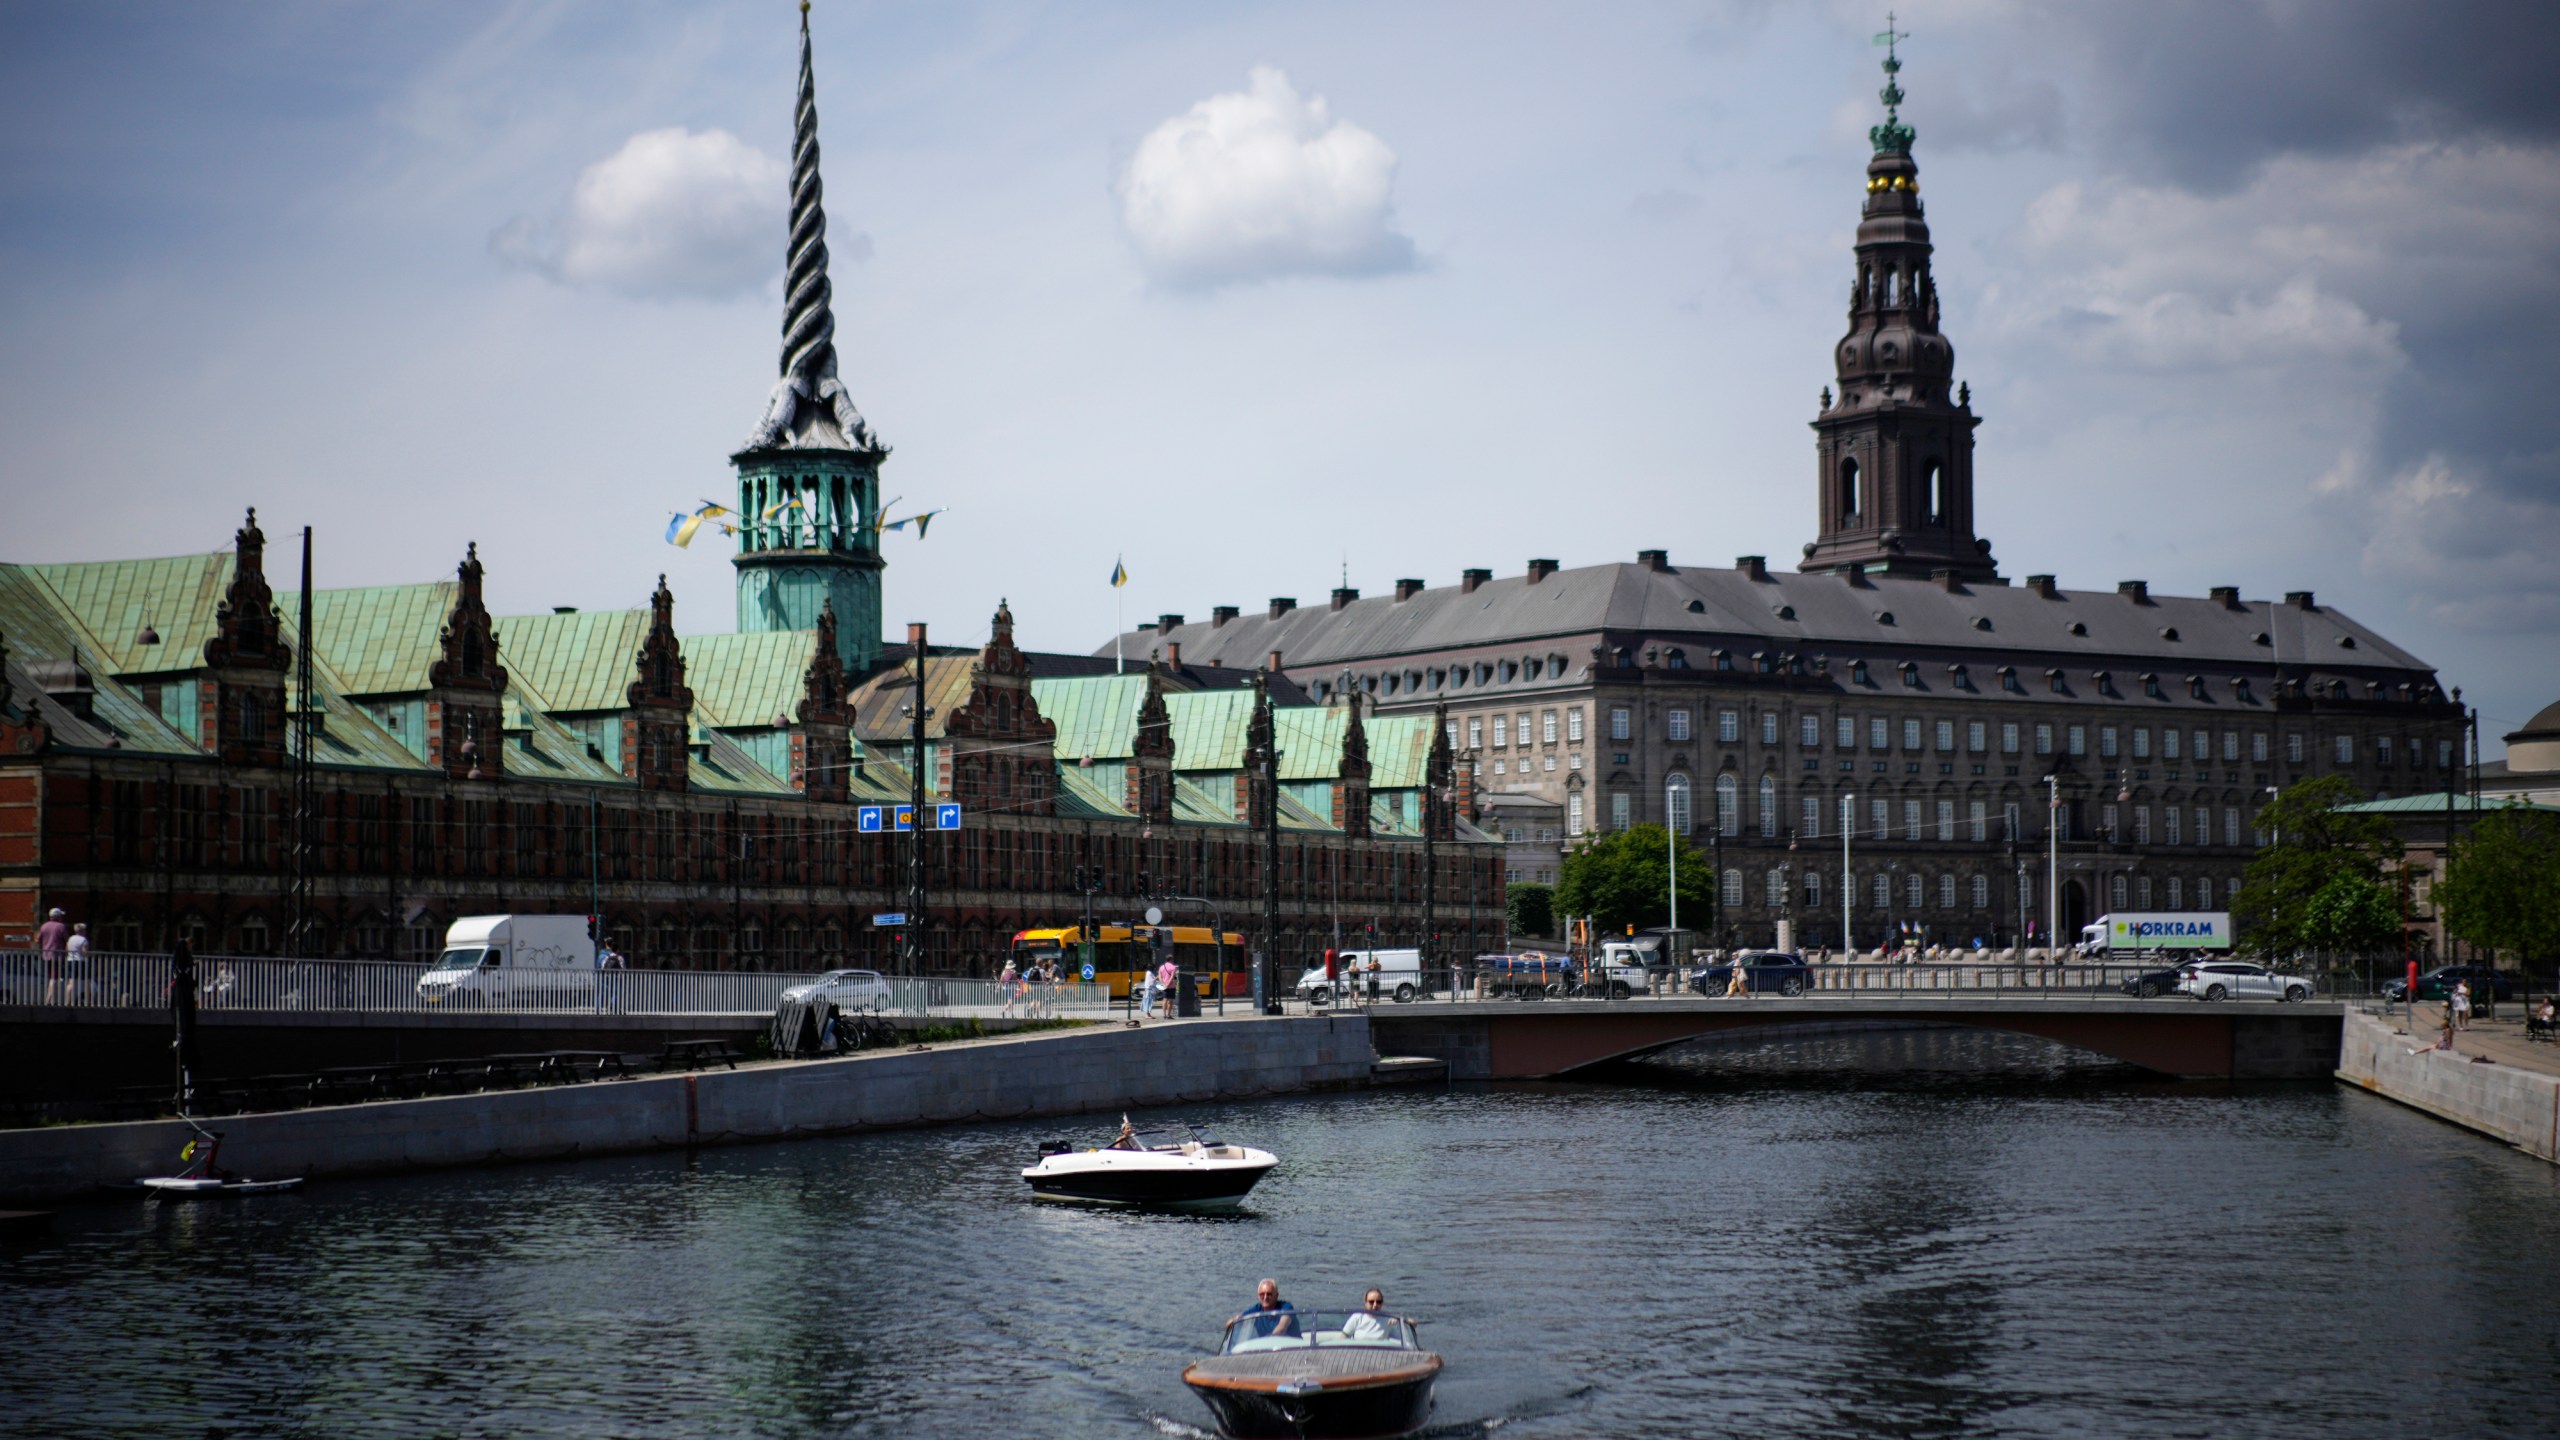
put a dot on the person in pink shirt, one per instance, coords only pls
(53, 938)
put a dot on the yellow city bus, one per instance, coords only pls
(1123, 954)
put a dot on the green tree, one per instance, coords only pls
(2352, 915)
(1532, 908)
(1623, 879)
(2502, 890)
(2312, 841)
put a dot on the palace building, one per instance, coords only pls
(1968, 737)
(185, 755)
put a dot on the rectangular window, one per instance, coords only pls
(1981, 892)
(1774, 890)
(2106, 742)
(2258, 746)
(1812, 822)
(2177, 893)
(1453, 734)
(1910, 734)
(1978, 820)
(1618, 726)
(1502, 733)
(2142, 893)
(2231, 892)
(2346, 749)
(1475, 733)
(1573, 812)
(2174, 837)
(2204, 826)
(2110, 821)
(1879, 733)
(1977, 737)
(1810, 728)
(2142, 741)
(1911, 820)
(1846, 729)
(1547, 726)
(2293, 746)
(1618, 810)
(1946, 892)
(1729, 726)
(2230, 824)
(1768, 727)
(1813, 888)
(1946, 820)
(1883, 891)
(1880, 819)
(2009, 738)
(2444, 754)
(2076, 740)
(2171, 747)
(2141, 824)
(2382, 749)
(1946, 736)
(2231, 747)
(1573, 725)
(1676, 724)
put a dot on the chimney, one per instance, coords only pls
(67, 683)
(915, 636)
(1540, 570)
(1272, 664)
(1948, 582)
(1654, 560)
(1468, 580)
(1282, 605)
(2299, 600)
(1221, 615)
(2137, 591)
(1407, 589)
(2227, 596)
(1344, 596)
(2043, 585)
(1755, 566)
(1173, 654)
(1167, 624)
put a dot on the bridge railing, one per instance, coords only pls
(116, 981)
(2061, 978)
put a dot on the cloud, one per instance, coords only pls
(1260, 184)
(673, 213)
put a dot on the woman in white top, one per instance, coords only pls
(1370, 1321)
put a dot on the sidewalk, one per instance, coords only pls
(2501, 1040)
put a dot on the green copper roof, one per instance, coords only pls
(380, 640)
(1310, 738)
(746, 680)
(1209, 728)
(1096, 715)
(578, 661)
(1083, 797)
(2434, 804)
(111, 600)
(34, 626)
(1399, 750)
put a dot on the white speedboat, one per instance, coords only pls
(1185, 1169)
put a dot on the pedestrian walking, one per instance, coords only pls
(609, 968)
(2461, 1004)
(51, 938)
(1005, 987)
(1149, 1009)
(75, 964)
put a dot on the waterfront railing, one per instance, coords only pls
(117, 981)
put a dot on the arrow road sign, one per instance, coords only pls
(946, 817)
(867, 819)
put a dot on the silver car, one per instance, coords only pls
(844, 989)
(2240, 980)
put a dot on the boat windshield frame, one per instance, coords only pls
(1317, 1330)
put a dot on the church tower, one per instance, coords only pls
(809, 477)
(1895, 477)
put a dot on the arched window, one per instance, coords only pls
(1768, 804)
(1851, 502)
(1728, 805)
(1675, 798)
(1937, 492)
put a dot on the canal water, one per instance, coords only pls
(1712, 1246)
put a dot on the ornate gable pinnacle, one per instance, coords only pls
(660, 659)
(822, 686)
(1154, 738)
(469, 638)
(810, 407)
(248, 629)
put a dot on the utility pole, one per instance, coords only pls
(1848, 882)
(305, 733)
(919, 946)
(2052, 861)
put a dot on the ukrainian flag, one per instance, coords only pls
(1119, 574)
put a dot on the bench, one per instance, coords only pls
(2538, 1029)
(699, 1055)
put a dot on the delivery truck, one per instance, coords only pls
(2138, 932)
(524, 962)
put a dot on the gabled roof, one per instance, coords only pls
(380, 640)
(111, 600)
(745, 680)
(1096, 715)
(577, 661)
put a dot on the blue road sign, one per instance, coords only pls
(946, 817)
(903, 818)
(1088, 971)
(867, 819)
(894, 917)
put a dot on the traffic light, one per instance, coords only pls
(592, 927)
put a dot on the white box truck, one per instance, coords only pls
(1398, 977)
(523, 961)
(2135, 932)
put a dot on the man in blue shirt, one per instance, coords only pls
(1269, 1314)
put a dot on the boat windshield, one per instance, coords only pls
(1158, 1140)
(1254, 1332)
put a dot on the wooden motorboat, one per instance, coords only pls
(1317, 1375)
(1185, 1169)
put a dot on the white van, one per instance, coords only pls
(1398, 977)
(525, 961)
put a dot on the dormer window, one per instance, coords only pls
(1763, 662)
(2150, 686)
(2053, 681)
(1678, 659)
(1957, 677)
(2105, 682)
(1910, 676)
(2195, 687)
(1858, 673)
(1724, 659)
(2009, 680)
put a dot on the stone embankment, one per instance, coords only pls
(1050, 1073)
(2505, 1101)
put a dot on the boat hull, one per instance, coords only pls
(1377, 1409)
(1130, 1187)
(190, 1187)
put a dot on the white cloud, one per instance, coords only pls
(672, 213)
(1259, 184)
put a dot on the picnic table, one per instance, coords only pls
(699, 1055)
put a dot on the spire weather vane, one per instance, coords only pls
(1891, 137)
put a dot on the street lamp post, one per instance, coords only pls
(1848, 885)
(2052, 860)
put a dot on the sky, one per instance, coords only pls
(1260, 297)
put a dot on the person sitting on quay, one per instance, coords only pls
(1269, 1314)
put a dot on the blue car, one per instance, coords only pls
(1529, 974)
(1771, 972)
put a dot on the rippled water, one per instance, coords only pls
(1700, 1250)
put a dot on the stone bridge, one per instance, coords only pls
(1531, 1040)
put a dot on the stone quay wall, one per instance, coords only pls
(1048, 1073)
(2504, 1102)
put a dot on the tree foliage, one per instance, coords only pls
(1623, 879)
(2312, 842)
(2352, 915)
(2502, 891)
(1532, 908)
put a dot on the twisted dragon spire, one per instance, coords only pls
(808, 400)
